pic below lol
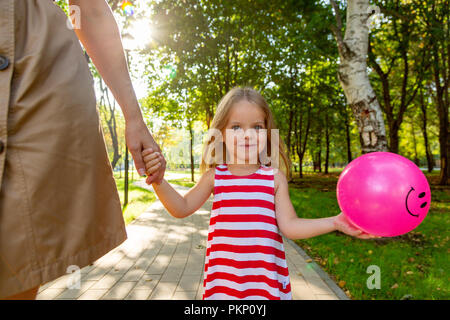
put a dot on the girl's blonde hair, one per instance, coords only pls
(220, 120)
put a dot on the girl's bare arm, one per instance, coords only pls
(294, 227)
(182, 206)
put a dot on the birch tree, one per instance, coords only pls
(352, 73)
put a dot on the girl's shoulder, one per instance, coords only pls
(210, 172)
(279, 178)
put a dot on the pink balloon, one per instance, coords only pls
(383, 194)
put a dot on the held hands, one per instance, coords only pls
(139, 138)
(342, 224)
(153, 161)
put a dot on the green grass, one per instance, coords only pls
(186, 182)
(139, 199)
(414, 265)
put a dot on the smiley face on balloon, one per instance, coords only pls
(383, 194)
(422, 205)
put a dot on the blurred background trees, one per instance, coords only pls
(195, 51)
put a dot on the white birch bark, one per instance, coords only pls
(353, 75)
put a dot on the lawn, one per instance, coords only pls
(139, 199)
(412, 266)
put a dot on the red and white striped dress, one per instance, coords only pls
(245, 256)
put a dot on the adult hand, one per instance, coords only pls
(342, 224)
(138, 138)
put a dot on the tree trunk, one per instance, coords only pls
(353, 75)
(393, 139)
(423, 107)
(317, 162)
(298, 138)
(443, 143)
(300, 161)
(209, 116)
(348, 138)
(111, 123)
(288, 137)
(300, 144)
(327, 143)
(439, 46)
(191, 150)
(442, 107)
(416, 158)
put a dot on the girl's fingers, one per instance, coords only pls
(357, 233)
(154, 168)
(146, 152)
(367, 236)
(353, 231)
(151, 156)
(152, 163)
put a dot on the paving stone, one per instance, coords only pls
(119, 291)
(138, 294)
(76, 292)
(147, 282)
(164, 291)
(93, 294)
(107, 281)
(184, 295)
(189, 282)
(49, 294)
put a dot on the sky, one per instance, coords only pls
(140, 32)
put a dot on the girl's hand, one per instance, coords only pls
(342, 224)
(153, 160)
(138, 138)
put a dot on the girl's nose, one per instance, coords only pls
(250, 133)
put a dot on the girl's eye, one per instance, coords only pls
(235, 127)
(258, 127)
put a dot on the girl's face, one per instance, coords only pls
(245, 133)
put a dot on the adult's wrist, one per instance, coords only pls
(131, 109)
(134, 118)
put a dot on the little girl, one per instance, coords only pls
(245, 257)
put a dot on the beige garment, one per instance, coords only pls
(59, 204)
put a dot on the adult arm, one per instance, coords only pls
(100, 36)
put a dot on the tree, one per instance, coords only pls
(352, 74)
(399, 62)
(108, 110)
(424, 124)
(435, 15)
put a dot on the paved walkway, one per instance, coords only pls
(163, 258)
